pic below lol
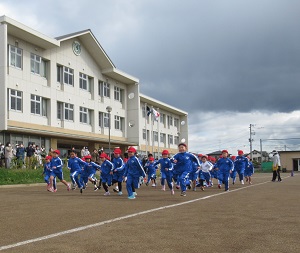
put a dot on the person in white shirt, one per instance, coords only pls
(276, 166)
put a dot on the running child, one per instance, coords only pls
(75, 165)
(166, 170)
(249, 171)
(184, 162)
(88, 173)
(56, 165)
(151, 168)
(133, 171)
(224, 166)
(47, 173)
(118, 170)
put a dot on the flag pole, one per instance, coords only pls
(146, 127)
(152, 135)
(158, 135)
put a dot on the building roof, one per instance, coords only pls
(158, 104)
(86, 37)
(96, 51)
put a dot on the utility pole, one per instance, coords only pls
(251, 140)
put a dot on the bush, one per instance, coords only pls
(24, 176)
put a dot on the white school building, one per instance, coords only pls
(66, 92)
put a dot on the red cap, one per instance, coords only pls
(224, 151)
(165, 152)
(200, 155)
(48, 157)
(182, 144)
(103, 155)
(132, 150)
(240, 152)
(56, 151)
(233, 157)
(204, 156)
(151, 158)
(88, 157)
(117, 151)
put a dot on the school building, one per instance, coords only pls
(66, 92)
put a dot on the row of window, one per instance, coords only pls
(65, 111)
(171, 139)
(65, 75)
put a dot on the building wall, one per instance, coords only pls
(289, 158)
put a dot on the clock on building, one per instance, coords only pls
(76, 47)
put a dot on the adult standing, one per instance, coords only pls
(29, 154)
(20, 154)
(8, 155)
(276, 166)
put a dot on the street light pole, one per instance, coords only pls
(109, 109)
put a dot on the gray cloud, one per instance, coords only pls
(234, 62)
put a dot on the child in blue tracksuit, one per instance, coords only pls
(184, 165)
(249, 171)
(233, 174)
(118, 171)
(88, 173)
(133, 172)
(151, 171)
(106, 170)
(47, 173)
(166, 170)
(56, 165)
(224, 166)
(75, 165)
(240, 164)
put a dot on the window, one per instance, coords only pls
(155, 136)
(144, 109)
(104, 89)
(38, 105)
(69, 112)
(176, 140)
(145, 135)
(170, 120)
(162, 137)
(84, 115)
(101, 119)
(15, 57)
(38, 65)
(15, 100)
(176, 122)
(106, 119)
(60, 110)
(162, 118)
(83, 81)
(170, 137)
(65, 75)
(119, 123)
(118, 93)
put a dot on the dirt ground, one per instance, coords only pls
(263, 217)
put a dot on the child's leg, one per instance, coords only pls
(105, 187)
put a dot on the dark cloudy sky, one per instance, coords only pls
(228, 63)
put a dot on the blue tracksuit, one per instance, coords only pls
(184, 167)
(75, 166)
(106, 168)
(166, 170)
(225, 165)
(89, 171)
(47, 173)
(56, 165)
(119, 167)
(151, 171)
(249, 171)
(240, 164)
(133, 171)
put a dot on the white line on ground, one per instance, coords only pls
(70, 231)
